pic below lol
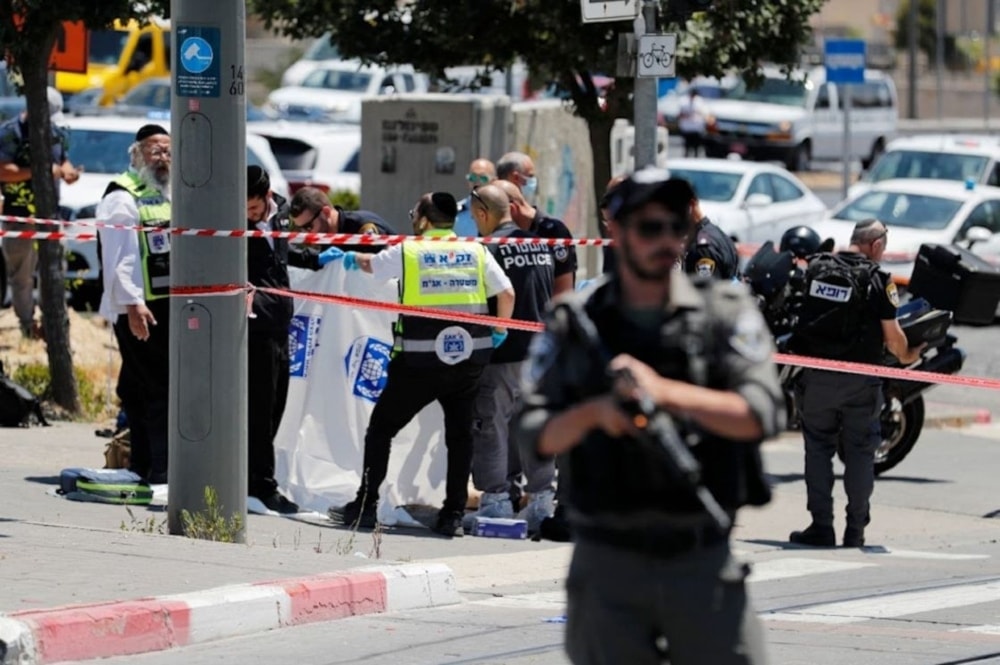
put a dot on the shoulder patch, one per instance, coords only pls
(751, 337)
(561, 253)
(892, 293)
(705, 267)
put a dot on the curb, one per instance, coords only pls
(963, 419)
(102, 630)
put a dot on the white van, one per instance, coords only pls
(798, 118)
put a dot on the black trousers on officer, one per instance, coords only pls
(267, 377)
(407, 391)
(143, 386)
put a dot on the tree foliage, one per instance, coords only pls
(28, 30)
(926, 26)
(549, 37)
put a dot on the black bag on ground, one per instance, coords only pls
(18, 404)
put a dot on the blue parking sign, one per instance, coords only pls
(844, 60)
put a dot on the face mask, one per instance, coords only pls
(530, 187)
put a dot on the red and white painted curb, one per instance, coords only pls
(101, 630)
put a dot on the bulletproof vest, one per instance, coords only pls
(833, 307)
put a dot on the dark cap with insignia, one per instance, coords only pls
(650, 185)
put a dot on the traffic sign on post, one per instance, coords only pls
(655, 56)
(844, 60)
(594, 11)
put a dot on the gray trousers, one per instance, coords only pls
(494, 451)
(839, 409)
(21, 259)
(624, 604)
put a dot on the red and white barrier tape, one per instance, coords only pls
(531, 326)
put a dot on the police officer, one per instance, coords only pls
(310, 210)
(650, 563)
(838, 408)
(267, 341)
(432, 359)
(136, 270)
(710, 253)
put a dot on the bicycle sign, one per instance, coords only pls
(655, 56)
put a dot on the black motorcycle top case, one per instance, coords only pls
(953, 278)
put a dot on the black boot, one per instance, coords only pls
(815, 535)
(854, 536)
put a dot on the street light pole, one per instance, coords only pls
(644, 97)
(208, 334)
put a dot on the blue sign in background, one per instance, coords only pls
(844, 60)
(197, 72)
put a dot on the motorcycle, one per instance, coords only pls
(777, 281)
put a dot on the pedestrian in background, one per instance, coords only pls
(432, 359)
(651, 563)
(267, 341)
(691, 122)
(839, 409)
(136, 273)
(481, 172)
(20, 256)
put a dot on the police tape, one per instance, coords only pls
(806, 362)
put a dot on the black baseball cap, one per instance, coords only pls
(650, 185)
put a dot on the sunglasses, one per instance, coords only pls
(309, 225)
(478, 178)
(479, 198)
(654, 228)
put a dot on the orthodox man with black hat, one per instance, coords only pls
(267, 341)
(432, 359)
(652, 571)
(136, 275)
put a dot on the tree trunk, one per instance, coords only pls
(600, 145)
(52, 289)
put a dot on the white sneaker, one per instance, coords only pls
(491, 504)
(539, 507)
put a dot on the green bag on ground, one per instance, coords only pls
(134, 494)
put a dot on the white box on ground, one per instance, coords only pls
(655, 56)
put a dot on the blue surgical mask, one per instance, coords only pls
(530, 187)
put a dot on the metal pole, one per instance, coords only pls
(208, 335)
(644, 99)
(912, 43)
(939, 57)
(987, 68)
(847, 153)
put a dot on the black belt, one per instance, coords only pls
(658, 541)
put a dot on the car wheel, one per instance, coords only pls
(799, 158)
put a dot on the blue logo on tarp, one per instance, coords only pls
(303, 335)
(196, 55)
(366, 364)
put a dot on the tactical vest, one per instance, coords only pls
(154, 245)
(448, 276)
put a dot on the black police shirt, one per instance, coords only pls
(530, 267)
(565, 255)
(711, 253)
(883, 303)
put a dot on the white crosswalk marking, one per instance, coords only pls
(779, 569)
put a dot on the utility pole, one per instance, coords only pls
(644, 97)
(208, 334)
(911, 34)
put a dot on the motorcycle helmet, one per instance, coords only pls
(801, 241)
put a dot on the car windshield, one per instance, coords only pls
(927, 164)
(915, 211)
(710, 185)
(774, 91)
(106, 151)
(338, 79)
(106, 46)
(322, 49)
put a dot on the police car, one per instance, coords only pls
(751, 201)
(958, 157)
(98, 145)
(917, 211)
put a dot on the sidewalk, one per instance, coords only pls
(145, 591)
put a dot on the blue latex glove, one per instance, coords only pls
(351, 261)
(498, 337)
(331, 254)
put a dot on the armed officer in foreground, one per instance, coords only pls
(652, 563)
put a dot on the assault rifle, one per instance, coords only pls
(653, 423)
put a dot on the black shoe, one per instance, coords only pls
(279, 504)
(449, 525)
(353, 516)
(854, 536)
(815, 535)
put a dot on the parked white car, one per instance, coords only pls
(959, 157)
(316, 154)
(99, 144)
(751, 201)
(333, 91)
(917, 211)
